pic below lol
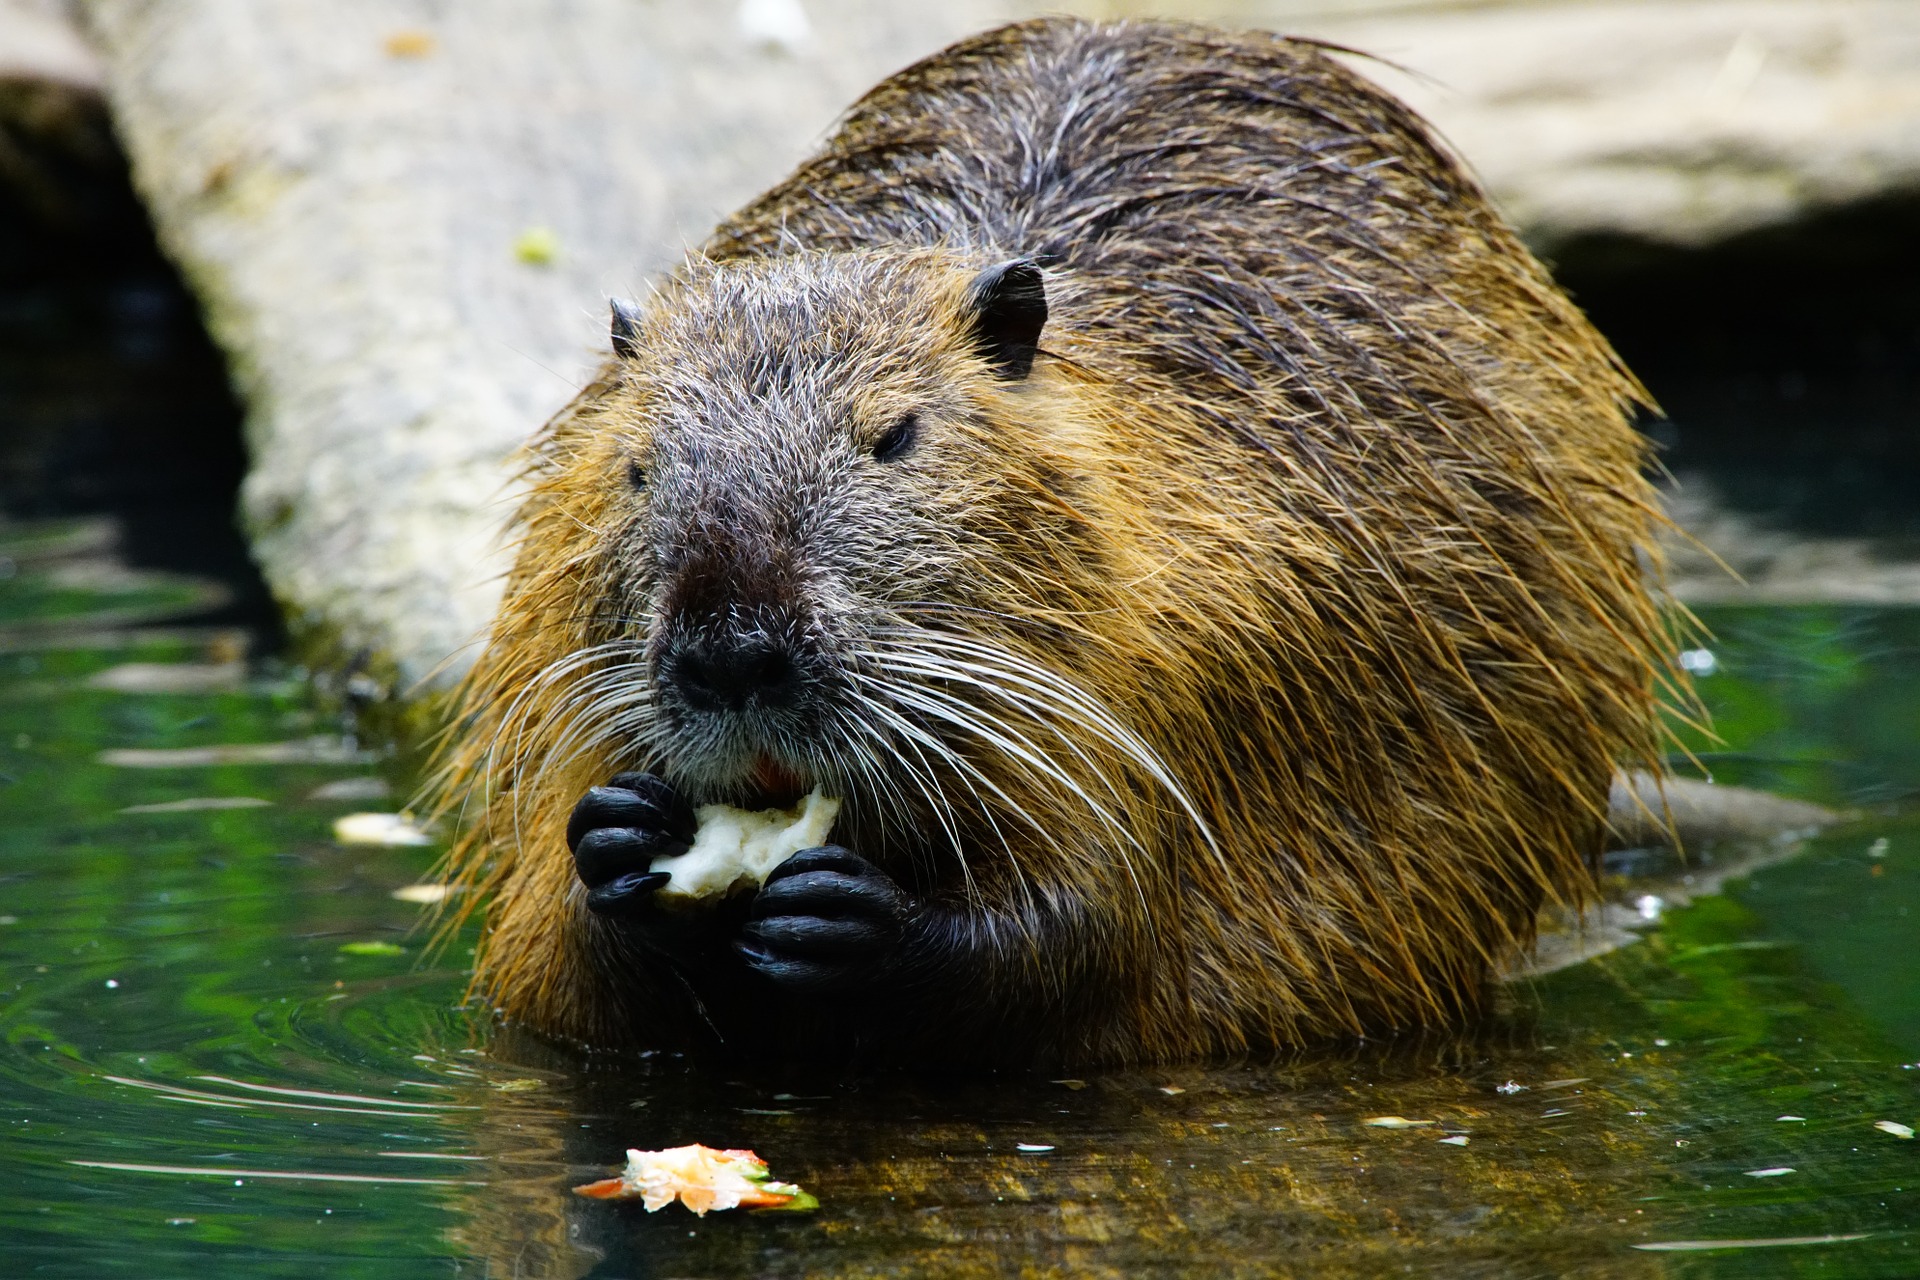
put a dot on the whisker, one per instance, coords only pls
(993, 730)
(967, 773)
(878, 778)
(1062, 695)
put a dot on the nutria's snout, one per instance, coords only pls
(738, 699)
(741, 675)
(735, 650)
(732, 673)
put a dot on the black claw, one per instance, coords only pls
(794, 975)
(606, 852)
(813, 937)
(834, 883)
(637, 800)
(631, 894)
(826, 919)
(879, 906)
(658, 791)
(826, 857)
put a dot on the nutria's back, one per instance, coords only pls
(1247, 663)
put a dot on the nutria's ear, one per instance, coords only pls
(626, 328)
(1009, 307)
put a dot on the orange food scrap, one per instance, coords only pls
(701, 1178)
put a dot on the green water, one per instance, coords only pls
(206, 1072)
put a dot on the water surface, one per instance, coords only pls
(228, 1051)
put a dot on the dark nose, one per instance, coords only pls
(727, 675)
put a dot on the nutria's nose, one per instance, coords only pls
(727, 675)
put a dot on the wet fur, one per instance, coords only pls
(1252, 672)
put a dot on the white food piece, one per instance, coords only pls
(424, 894)
(379, 828)
(734, 847)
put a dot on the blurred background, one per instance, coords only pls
(283, 285)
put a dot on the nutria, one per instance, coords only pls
(1134, 468)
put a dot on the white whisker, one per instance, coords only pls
(1009, 741)
(1062, 695)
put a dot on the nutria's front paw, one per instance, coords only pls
(615, 834)
(826, 920)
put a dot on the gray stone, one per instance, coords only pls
(38, 42)
(1682, 120)
(1720, 556)
(404, 220)
(404, 217)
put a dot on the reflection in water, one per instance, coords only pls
(206, 1066)
(1247, 1170)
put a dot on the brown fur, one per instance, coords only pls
(1320, 488)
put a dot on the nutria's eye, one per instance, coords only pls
(636, 475)
(898, 439)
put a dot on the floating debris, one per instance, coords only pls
(701, 1178)
(200, 804)
(1778, 1242)
(521, 1084)
(1699, 662)
(322, 749)
(424, 894)
(1894, 1127)
(352, 789)
(170, 677)
(1798, 1119)
(372, 949)
(1510, 1087)
(1033, 1147)
(1396, 1122)
(378, 828)
(1778, 1171)
(1171, 1089)
(1454, 1140)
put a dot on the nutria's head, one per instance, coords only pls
(811, 452)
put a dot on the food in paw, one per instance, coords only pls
(735, 847)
